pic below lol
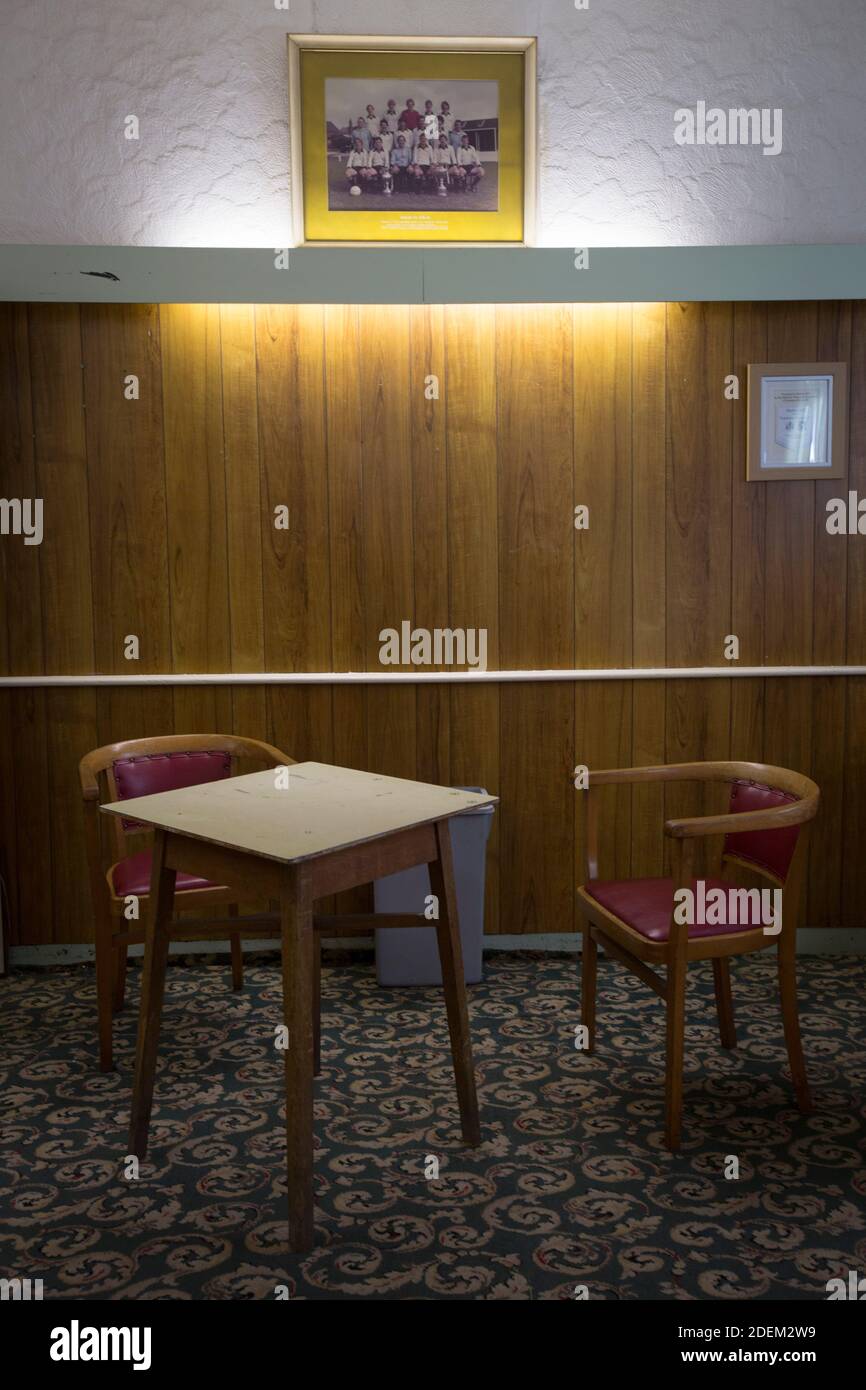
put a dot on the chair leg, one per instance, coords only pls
(237, 953)
(105, 990)
(676, 1028)
(121, 954)
(724, 1003)
(791, 1021)
(589, 974)
(317, 1003)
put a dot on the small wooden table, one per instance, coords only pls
(297, 834)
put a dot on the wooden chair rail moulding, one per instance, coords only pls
(491, 676)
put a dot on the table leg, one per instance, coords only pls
(296, 915)
(317, 1003)
(451, 959)
(157, 937)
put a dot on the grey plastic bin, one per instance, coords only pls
(409, 956)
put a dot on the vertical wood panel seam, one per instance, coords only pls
(90, 546)
(263, 496)
(732, 347)
(414, 312)
(765, 519)
(501, 885)
(327, 452)
(39, 701)
(34, 453)
(168, 555)
(362, 445)
(226, 495)
(840, 862)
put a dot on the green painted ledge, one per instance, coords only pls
(510, 275)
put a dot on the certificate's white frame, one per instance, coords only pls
(756, 470)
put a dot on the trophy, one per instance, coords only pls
(442, 179)
(387, 182)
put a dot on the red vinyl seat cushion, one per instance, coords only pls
(646, 904)
(131, 877)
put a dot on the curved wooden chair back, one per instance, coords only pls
(772, 804)
(141, 766)
(768, 852)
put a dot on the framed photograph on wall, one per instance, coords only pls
(425, 141)
(797, 421)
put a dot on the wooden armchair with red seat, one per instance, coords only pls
(140, 767)
(634, 920)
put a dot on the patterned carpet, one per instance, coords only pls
(570, 1187)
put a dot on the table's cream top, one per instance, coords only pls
(323, 808)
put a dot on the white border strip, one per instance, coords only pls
(628, 673)
(812, 941)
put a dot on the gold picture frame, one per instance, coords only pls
(797, 426)
(420, 206)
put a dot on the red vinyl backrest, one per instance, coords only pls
(166, 772)
(771, 850)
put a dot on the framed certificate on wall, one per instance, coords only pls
(424, 141)
(797, 421)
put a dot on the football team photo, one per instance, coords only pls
(436, 144)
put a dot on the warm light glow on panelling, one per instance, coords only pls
(512, 315)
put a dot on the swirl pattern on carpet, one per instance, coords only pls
(571, 1188)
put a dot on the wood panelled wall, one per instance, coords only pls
(448, 512)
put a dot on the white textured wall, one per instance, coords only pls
(207, 79)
